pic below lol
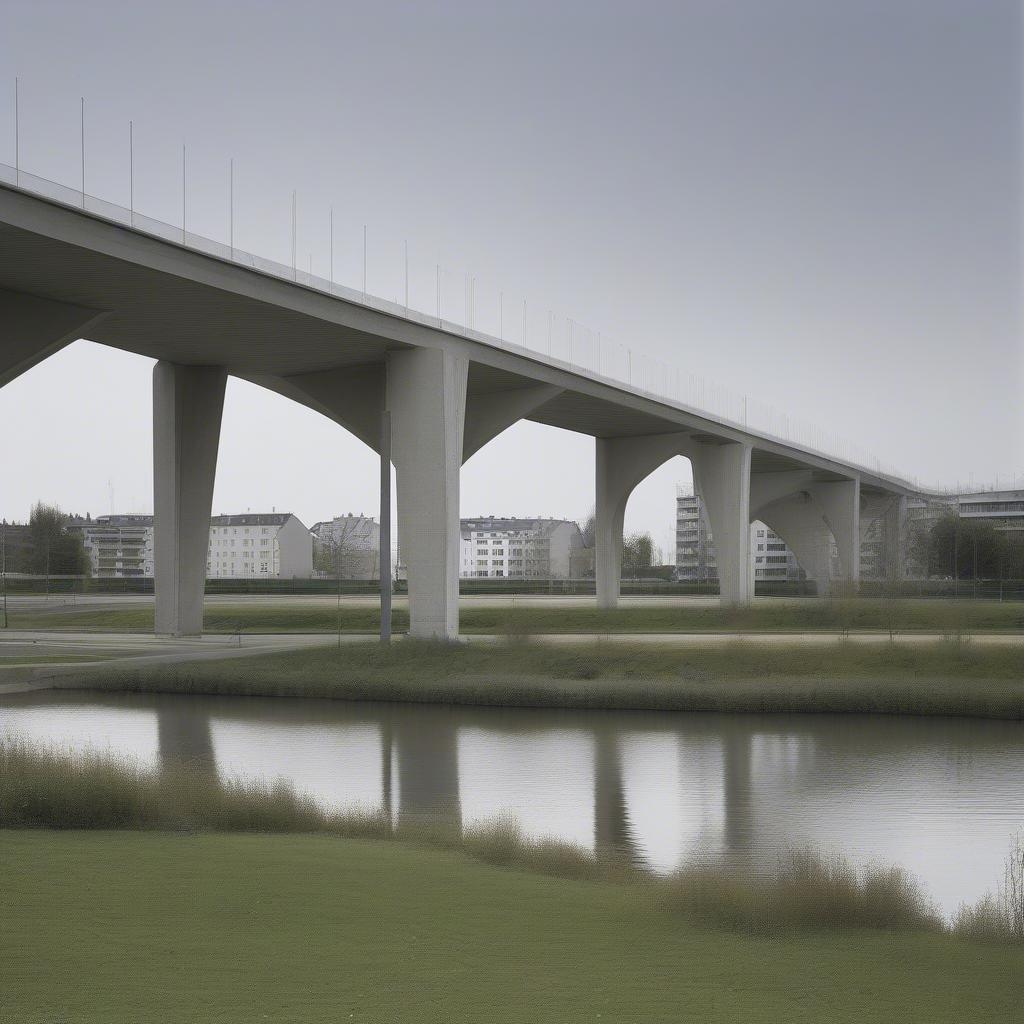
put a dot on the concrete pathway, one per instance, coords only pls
(39, 660)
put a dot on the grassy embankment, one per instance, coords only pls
(317, 616)
(941, 678)
(105, 926)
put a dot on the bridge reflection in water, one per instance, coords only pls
(941, 797)
(416, 768)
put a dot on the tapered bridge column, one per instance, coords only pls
(840, 504)
(187, 405)
(721, 474)
(894, 527)
(798, 520)
(426, 395)
(435, 427)
(609, 516)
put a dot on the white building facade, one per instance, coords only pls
(492, 547)
(262, 545)
(268, 545)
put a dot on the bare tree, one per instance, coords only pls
(341, 549)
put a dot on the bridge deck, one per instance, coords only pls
(165, 300)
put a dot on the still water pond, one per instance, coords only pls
(943, 797)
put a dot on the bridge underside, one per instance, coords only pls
(65, 275)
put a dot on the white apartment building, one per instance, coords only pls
(262, 545)
(518, 548)
(695, 547)
(347, 547)
(269, 545)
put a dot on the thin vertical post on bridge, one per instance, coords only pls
(184, 198)
(3, 564)
(83, 151)
(131, 173)
(231, 206)
(17, 135)
(385, 527)
(295, 256)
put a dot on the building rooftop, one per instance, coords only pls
(127, 519)
(252, 519)
(247, 519)
(512, 525)
(349, 519)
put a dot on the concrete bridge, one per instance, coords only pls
(424, 393)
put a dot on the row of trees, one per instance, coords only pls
(45, 547)
(966, 549)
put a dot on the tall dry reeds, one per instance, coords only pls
(998, 915)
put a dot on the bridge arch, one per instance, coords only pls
(810, 513)
(721, 474)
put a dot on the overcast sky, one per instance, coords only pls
(812, 201)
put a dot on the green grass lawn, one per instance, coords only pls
(136, 927)
(306, 617)
(938, 677)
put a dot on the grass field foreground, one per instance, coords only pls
(98, 928)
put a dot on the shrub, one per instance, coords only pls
(805, 890)
(495, 842)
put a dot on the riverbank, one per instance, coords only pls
(941, 678)
(315, 929)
